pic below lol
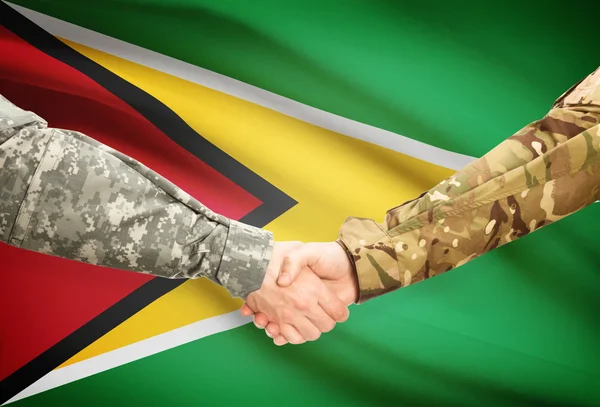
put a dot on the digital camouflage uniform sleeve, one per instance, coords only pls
(548, 170)
(67, 195)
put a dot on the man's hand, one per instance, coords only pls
(303, 310)
(329, 262)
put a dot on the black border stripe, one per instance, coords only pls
(85, 336)
(275, 202)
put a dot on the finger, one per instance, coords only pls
(291, 334)
(306, 329)
(261, 319)
(280, 341)
(246, 311)
(322, 321)
(333, 306)
(257, 324)
(272, 330)
(293, 263)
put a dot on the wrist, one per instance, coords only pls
(350, 293)
(239, 272)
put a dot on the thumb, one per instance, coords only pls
(293, 263)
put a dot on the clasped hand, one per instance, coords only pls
(306, 290)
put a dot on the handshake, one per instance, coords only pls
(306, 290)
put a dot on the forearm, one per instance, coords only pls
(543, 173)
(67, 195)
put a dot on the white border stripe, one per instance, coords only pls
(246, 92)
(237, 89)
(221, 83)
(133, 352)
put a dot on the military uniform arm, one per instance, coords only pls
(546, 171)
(65, 194)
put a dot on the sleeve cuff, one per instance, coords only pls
(245, 259)
(374, 258)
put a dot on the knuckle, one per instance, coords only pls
(285, 314)
(297, 341)
(329, 325)
(251, 302)
(292, 336)
(301, 303)
(262, 320)
(288, 259)
(339, 313)
(272, 329)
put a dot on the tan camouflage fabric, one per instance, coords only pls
(546, 171)
(65, 194)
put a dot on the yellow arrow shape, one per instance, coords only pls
(332, 176)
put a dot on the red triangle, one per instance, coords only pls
(44, 299)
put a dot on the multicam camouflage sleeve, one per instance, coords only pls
(546, 171)
(66, 195)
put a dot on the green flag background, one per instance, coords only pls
(516, 327)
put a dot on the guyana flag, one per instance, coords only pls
(292, 115)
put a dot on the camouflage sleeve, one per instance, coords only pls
(546, 171)
(67, 195)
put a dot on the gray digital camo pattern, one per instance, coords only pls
(65, 194)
